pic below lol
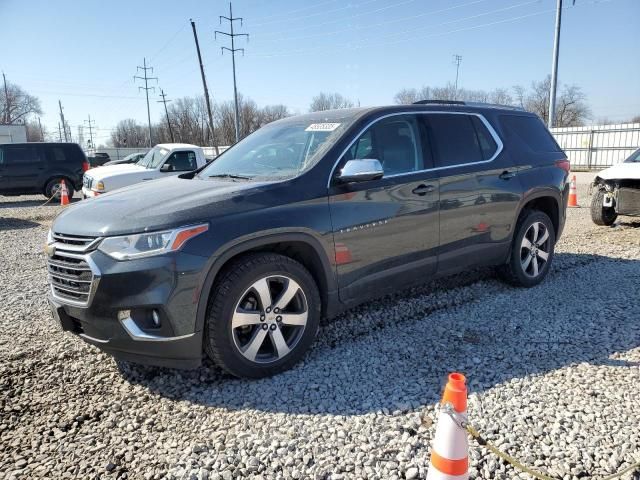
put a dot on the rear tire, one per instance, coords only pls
(600, 214)
(532, 250)
(263, 315)
(52, 188)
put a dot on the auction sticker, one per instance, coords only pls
(322, 127)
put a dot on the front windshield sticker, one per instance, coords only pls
(322, 127)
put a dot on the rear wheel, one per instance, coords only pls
(263, 315)
(54, 187)
(600, 214)
(532, 250)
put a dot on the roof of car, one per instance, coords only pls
(175, 145)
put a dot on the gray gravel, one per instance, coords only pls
(554, 376)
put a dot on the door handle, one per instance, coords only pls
(506, 175)
(423, 189)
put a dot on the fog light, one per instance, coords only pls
(156, 318)
(124, 314)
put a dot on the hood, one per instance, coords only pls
(100, 173)
(161, 204)
(622, 171)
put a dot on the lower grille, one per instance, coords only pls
(71, 277)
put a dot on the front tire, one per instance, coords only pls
(263, 315)
(531, 251)
(601, 215)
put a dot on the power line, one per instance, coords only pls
(146, 89)
(311, 7)
(325, 12)
(233, 51)
(166, 112)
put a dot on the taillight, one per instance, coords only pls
(85, 166)
(564, 165)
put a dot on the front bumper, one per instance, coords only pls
(88, 193)
(167, 284)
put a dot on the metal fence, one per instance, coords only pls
(598, 146)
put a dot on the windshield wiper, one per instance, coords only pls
(229, 175)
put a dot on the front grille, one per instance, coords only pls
(72, 275)
(87, 181)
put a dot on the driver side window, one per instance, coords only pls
(394, 142)
(181, 162)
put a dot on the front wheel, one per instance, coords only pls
(601, 215)
(53, 188)
(263, 315)
(532, 250)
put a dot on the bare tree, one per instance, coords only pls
(129, 133)
(636, 119)
(271, 113)
(329, 101)
(17, 105)
(34, 134)
(407, 96)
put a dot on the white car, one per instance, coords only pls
(617, 191)
(162, 160)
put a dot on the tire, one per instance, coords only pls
(254, 347)
(600, 214)
(52, 187)
(534, 239)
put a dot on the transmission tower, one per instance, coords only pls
(457, 59)
(146, 89)
(91, 124)
(233, 51)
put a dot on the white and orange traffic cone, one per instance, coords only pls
(573, 193)
(64, 193)
(450, 449)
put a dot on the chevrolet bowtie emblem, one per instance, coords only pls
(50, 250)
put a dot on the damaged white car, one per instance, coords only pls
(616, 191)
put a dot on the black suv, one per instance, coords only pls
(27, 168)
(98, 159)
(300, 220)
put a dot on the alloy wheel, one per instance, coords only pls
(269, 319)
(534, 249)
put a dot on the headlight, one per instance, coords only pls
(147, 244)
(100, 186)
(50, 239)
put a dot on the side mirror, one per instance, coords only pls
(361, 171)
(167, 167)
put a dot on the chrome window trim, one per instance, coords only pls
(494, 134)
(94, 281)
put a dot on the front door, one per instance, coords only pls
(386, 230)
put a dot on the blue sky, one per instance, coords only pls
(86, 53)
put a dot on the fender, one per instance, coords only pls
(260, 239)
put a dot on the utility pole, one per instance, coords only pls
(233, 51)
(146, 89)
(59, 133)
(457, 59)
(164, 100)
(64, 128)
(41, 131)
(91, 124)
(6, 100)
(554, 67)
(206, 90)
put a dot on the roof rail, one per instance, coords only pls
(439, 102)
(468, 104)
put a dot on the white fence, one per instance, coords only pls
(598, 146)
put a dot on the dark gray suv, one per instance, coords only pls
(304, 218)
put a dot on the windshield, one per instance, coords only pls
(634, 157)
(153, 157)
(280, 150)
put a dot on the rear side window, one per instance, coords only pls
(455, 139)
(531, 131)
(488, 145)
(59, 155)
(21, 155)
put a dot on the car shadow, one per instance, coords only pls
(34, 203)
(16, 224)
(393, 354)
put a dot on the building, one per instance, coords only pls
(13, 133)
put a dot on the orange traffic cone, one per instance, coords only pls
(64, 193)
(450, 449)
(573, 193)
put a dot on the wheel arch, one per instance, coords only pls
(302, 247)
(547, 201)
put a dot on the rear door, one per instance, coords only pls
(478, 195)
(386, 230)
(23, 165)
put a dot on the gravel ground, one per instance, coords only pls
(554, 376)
